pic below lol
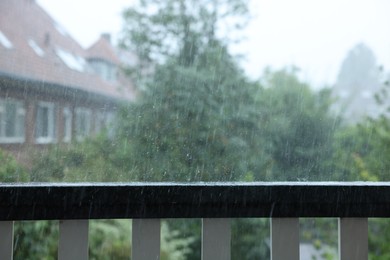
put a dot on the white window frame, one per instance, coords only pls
(51, 121)
(67, 119)
(19, 121)
(80, 114)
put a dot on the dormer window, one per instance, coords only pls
(72, 61)
(102, 59)
(5, 42)
(105, 70)
(36, 48)
(61, 29)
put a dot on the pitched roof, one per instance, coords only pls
(102, 49)
(35, 47)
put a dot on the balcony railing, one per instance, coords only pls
(215, 203)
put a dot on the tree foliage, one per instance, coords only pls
(88, 161)
(194, 123)
(160, 30)
(361, 151)
(36, 240)
(297, 124)
(10, 169)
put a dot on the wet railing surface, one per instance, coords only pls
(193, 200)
(216, 203)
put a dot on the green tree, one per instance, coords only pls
(361, 151)
(110, 239)
(88, 161)
(193, 123)
(297, 124)
(160, 30)
(354, 154)
(36, 240)
(250, 239)
(10, 169)
(378, 239)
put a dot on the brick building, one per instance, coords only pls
(52, 90)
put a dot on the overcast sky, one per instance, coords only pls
(314, 35)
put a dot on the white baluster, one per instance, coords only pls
(285, 238)
(216, 239)
(73, 242)
(146, 239)
(353, 238)
(6, 239)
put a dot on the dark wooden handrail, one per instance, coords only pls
(45, 201)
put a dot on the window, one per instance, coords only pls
(67, 117)
(105, 121)
(104, 69)
(45, 123)
(61, 29)
(36, 48)
(5, 42)
(74, 62)
(83, 123)
(12, 116)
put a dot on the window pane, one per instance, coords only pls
(45, 125)
(20, 121)
(10, 120)
(42, 122)
(83, 123)
(67, 116)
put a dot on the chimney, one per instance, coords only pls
(106, 36)
(46, 41)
